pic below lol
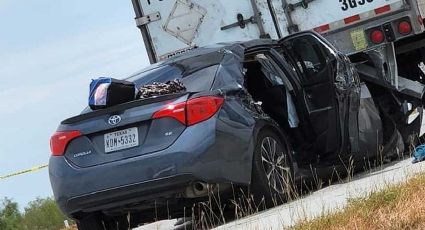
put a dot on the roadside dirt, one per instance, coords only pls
(327, 200)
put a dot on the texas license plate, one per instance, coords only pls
(123, 139)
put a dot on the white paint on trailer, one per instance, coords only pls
(217, 14)
(322, 12)
(185, 24)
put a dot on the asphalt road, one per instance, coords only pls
(328, 199)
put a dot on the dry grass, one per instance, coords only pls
(397, 207)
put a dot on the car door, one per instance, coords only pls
(315, 63)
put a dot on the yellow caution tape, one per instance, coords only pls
(34, 169)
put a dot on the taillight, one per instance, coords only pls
(377, 36)
(60, 140)
(202, 108)
(193, 111)
(176, 111)
(404, 28)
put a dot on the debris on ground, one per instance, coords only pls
(419, 154)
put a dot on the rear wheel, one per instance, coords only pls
(272, 171)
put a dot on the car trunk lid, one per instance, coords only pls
(123, 131)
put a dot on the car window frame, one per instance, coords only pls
(325, 51)
(277, 68)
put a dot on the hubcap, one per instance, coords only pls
(275, 164)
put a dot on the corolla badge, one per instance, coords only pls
(114, 120)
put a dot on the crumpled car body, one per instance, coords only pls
(313, 99)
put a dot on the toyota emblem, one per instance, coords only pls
(114, 120)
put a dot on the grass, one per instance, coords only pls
(396, 207)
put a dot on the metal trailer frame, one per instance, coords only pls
(383, 55)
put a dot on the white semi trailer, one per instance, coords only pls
(384, 38)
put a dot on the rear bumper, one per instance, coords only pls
(131, 195)
(202, 153)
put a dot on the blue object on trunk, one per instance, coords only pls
(99, 92)
(107, 92)
(419, 154)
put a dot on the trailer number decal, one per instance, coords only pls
(359, 40)
(351, 4)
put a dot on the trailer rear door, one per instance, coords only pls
(170, 27)
(325, 15)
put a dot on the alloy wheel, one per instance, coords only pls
(275, 164)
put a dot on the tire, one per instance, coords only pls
(90, 222)
(272, 170)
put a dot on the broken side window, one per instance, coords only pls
(309, 58)
(279, 87)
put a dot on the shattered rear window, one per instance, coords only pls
(200, 80)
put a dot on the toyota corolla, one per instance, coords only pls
(251, 114)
